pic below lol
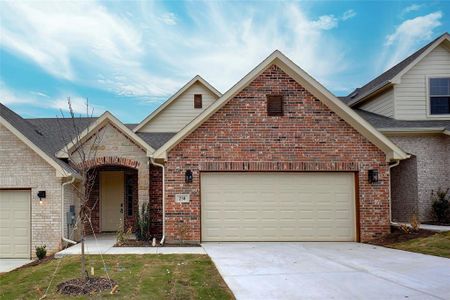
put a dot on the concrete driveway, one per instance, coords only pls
(329, 271)
(9, 264)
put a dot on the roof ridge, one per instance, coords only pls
(374, 82)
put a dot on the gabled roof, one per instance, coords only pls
(35, 139)
(310, 84)
(392, 75)
(194, 80)
(100, 121)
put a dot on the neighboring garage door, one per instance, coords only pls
(14, 224)
(278, 207)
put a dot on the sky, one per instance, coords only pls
(128, 57)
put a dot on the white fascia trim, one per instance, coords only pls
(175, 96)
(392, 151)
(103, 119)
(397, 77)
(60, 172)
(384, 87)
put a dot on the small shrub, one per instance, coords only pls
(41, 252)
(415, 223)
(143, 224)
(121, 235)
(441, 205)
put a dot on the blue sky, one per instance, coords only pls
(128, 57)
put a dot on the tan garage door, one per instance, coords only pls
(14, 224)
(278, 207)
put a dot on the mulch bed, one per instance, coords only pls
(398, 236)
(78, 286)
(136, 243)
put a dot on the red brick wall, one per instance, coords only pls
(243, 138)
(155, 201)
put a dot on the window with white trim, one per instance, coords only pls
(440, 96)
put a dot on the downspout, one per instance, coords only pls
(62, 210)
(397, 162)
(152, 160)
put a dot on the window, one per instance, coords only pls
(275, 105)
(129, 187)
(197, 101)
(439, 96)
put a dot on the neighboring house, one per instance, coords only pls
(275, 158)
(410, 104)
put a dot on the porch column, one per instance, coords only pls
(143, 184)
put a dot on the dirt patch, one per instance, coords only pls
(398, 236)
(136, 243)
(78, 286)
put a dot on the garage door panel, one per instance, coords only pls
(15, 224)
(277, 206)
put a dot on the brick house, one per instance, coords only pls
(275, 158)
(410, 104)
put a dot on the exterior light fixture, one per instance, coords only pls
(188, 177)
(373, 176)
(41, 194)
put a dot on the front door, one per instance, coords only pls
(111, 198)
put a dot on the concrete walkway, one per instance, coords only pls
(105, 245)
(436, 228)
(9, 264)
(329, 271)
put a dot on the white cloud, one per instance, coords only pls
(11, 97)
(326, 22)
(61, 36)
(411, 8)
(223, 44)
(79, 106)
(408, 35)
(348, 14)
(137, 54)
(169, 18)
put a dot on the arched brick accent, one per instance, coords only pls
(110, 161)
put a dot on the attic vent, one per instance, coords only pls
(353, 95)
(197, 101)
(38, 132)
(274, 105)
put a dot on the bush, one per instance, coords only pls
(143, 224)
(121, 235)
(41, 252)
(441, 205)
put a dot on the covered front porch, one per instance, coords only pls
(115, 199)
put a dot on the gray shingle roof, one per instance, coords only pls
(380, 122)
(385, 77)
(52, 134)
(35, 134)
(156, 139)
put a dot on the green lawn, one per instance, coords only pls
(437, 244)
(138, 276)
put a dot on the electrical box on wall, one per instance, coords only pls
(182, 198)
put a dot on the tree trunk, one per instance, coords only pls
(83, 258)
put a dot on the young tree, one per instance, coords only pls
(81, 152)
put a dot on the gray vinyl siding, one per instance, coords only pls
(411, 94)
(382, 104)
(181, 111)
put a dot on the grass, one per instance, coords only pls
(437, 244)
(138, 276)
